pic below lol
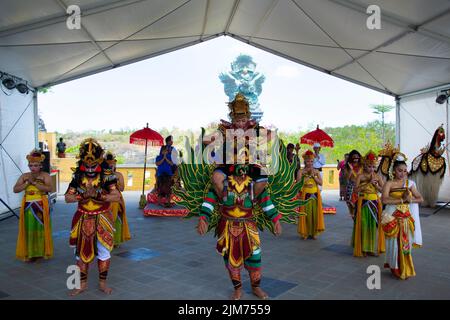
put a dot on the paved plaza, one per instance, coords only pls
(167, 259)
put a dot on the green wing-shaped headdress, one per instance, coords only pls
(283, 191)
(281, 187)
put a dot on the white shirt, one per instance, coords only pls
(319, 161)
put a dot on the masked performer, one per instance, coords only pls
(94, 187)
(240, 117)
(428, 168)
(240, 202)
(397, 221)
(35, 232)
(122, 232)
(368, 236)
(311, 224)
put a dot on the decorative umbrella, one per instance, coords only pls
(146, 137)
(317, 136)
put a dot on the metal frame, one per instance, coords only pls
(306, 64)
(399, 22)
(48, 21)
(110, 5)
(118, 42)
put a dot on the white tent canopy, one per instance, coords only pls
(410, 52)
(409, 57)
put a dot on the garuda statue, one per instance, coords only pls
(245, 80)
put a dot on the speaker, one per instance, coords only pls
(46, 162)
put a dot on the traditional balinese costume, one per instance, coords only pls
(398, 226)
(342, 180)
(368, 236)
(35, 229)
(387, 155)
(122, 231)
(311, 224)
(237, 214)
(351, 197)
(92, 232)
(237, 232)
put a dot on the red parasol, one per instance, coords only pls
(317, 136)
(146, 137)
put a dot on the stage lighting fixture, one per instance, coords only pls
(9, 83)
(22, 88)
(442, 97)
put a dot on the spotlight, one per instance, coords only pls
(22, 88)
(442, 97)
(9, 83)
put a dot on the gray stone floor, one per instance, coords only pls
(166, 259)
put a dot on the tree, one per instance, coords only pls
(44, 89)
(382, 109)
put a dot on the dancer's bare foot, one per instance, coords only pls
(257, 291)
(104, 288)
(76, 292)
(237, 294)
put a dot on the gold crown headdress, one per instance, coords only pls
(397, 156)
(239, 107)
(370, 158)
(91, 152)
(35, 156)
(308, 154)
(388, 151)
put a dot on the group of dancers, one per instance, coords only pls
(235, 200)
(384, 208)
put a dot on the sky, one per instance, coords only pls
(182, 89)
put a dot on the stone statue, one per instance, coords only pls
(244, 79)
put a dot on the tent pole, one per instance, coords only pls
(145, 167)
(397, 122)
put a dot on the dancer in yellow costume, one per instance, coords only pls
(311, 224)
(35, 231)
(122, 232)
(368, 236)
(397, 221)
